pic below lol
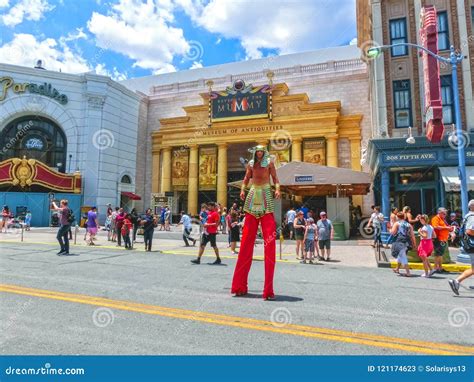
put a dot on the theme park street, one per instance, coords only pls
(105, 300)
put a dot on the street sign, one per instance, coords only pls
(303, 178)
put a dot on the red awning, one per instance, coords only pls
(131, 195)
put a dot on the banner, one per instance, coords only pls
(180, 168)
(25, 173)
(207, 168)
(369, 368)
(240, 102)
(314, 151)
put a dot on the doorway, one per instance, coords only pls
(420, 201)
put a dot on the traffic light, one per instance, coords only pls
(433, 105)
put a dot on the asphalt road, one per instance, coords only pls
(109, 301)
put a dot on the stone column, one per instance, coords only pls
(332, 157)
(296, 154)
(155, 175)
(222, 174)
(166, 170)
(193, 180)
(357, 200)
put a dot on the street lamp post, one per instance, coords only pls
(453, 60)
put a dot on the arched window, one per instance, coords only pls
(126, 179)
(36, 138)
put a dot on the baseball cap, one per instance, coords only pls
(452, 214)
(471, 203)
(322, 213)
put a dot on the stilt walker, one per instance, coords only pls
(258, 208)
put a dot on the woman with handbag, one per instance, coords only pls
(426, 248)
(404, 241)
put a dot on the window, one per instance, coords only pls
(443, 35)
(126, 179)
(398, 35)
(447, 99)
(36, 138)
(402, 103)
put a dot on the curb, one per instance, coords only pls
(447, 267)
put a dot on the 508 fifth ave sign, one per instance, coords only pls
(240, 102)
(8, 84)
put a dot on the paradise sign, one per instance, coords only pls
(240, 101)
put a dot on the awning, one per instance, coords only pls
(451, 180)
(308, 179)
(131, 195)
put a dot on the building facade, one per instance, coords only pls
(72, 124)
(397, 99)
(319, 113)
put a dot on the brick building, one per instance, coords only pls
(402, 177)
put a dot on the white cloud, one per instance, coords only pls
(4, 3)
(31, 10)
(196, 65)
(25, 49)
(142, 32)
(168, 68)
(77, 35)
(115, 74)
(353, 41)
(287, 26)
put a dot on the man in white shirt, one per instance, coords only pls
(290, 218)
(187, 228)
(375, 221)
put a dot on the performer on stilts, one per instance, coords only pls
(258, 208)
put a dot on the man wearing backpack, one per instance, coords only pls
(467, 246)
(66, 218)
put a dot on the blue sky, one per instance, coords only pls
(133, 38)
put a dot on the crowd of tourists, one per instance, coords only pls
(312, 236)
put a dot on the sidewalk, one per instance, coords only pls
(347, 253)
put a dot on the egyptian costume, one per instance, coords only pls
(259, 208)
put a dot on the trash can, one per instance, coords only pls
(339, 231)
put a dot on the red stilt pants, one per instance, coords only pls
(244, 261)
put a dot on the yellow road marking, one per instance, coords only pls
(406, 345)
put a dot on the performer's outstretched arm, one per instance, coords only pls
(245, 182)
(276, 182)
